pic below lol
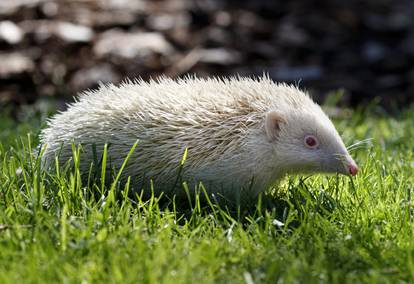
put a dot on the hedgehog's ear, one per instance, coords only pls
(273, 122)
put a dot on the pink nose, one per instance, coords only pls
(353, 169)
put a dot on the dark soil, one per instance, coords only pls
(58, 48)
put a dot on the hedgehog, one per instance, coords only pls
(240, 135)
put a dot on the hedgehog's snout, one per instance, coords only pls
(347, 165)
(351, 167)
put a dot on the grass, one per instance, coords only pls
(318, 229)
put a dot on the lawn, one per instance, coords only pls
(317, 229)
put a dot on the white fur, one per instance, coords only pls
(221, 122)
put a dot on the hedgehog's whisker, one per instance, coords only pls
(340, 157)
(359, 144)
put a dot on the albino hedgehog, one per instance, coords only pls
(241, 133)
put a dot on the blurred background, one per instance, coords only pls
(51, 50)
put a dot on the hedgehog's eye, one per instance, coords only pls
(311, 142)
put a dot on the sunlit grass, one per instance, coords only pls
(318, 229)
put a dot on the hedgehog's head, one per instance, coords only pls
(307, 141)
